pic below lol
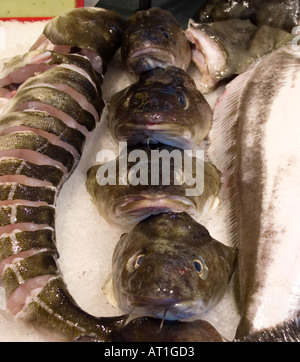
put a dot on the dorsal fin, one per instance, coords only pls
(222, 151)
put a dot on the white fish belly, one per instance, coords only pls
(255, 143)
(278, 257)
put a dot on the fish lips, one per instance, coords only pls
(137, 207)
(147, 58)
(168, 308)
(158, 128)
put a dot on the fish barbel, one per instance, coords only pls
(153, 38)
(168, 266)
(255, 144)
(164, 106)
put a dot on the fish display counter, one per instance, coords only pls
(65, 106)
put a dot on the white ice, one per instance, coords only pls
(85, 241)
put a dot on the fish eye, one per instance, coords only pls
(165, 34)
(182, 100)
(200, 268)
(135, 262)
(113, 27)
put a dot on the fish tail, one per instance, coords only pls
(289, 331)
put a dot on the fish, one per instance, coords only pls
(163, 106)
(163, 185)
(146, 329)
(283, 14)
(153, 38)
(43, 130)
(223, 49)
(288, 331)
(15, 70)
(254, 144)
(90, 31)
(169, 267)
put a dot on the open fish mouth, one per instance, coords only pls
(169, 310)
(143, 206)
(148, 51)
(168, 133)
(207, 55)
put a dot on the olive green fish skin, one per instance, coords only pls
(47, 173)
(153, 38)
(54, 98)
(36, 120)
(282, 14)
(73, 79)
(43, 59)
(126, 204)
(95, 29)
(163, 106)
(30, 141)
(169, 265)
(24, 192)
(55, 310)
(27, 240)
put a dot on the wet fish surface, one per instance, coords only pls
(222, 49)
(282, 14)
(168, 266)
(43, 130)
(153, 38)
(126, 198)
(15, 70)
(254, 143)
(89, 31)
(164, 106)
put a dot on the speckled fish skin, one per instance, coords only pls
(163, 106)
(127, 204)
(153, 38)
(42, 133)
(254, 143)
(17, 69)
(282, 14)
(95, 29)
(169, 266)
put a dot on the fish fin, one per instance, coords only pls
(288, 331)
(223, 144)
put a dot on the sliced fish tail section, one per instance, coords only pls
(55, 101)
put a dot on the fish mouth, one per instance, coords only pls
(154, 57)
(140, 207)
(207, 56)
(171, 134)
(169, 310)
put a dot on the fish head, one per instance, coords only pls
(163, 106)
(96, 29)
(153, 39)
(169, 267)
(127, 191)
